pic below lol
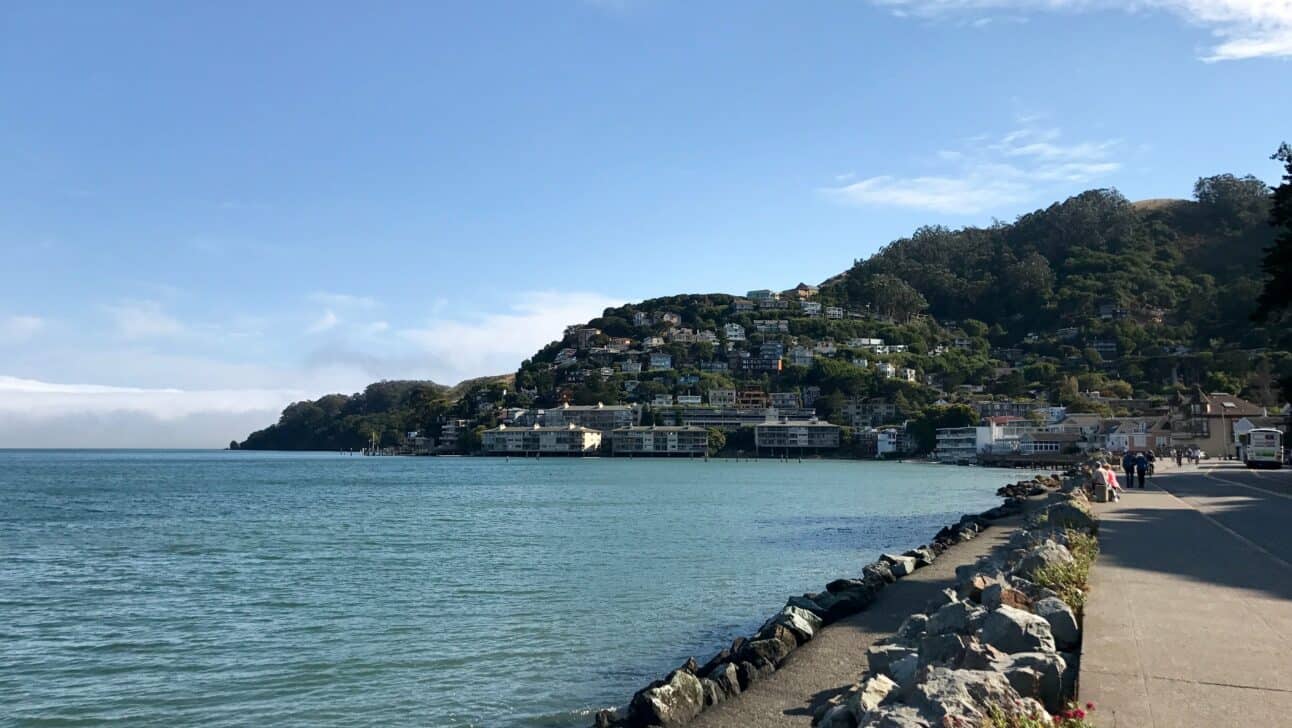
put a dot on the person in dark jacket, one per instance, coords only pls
(1141, 468)
(1128, 464)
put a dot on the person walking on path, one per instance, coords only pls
(1152, 461)
(1128, 465)
(1179, 457)
(1141, 468)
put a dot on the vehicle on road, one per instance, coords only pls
(1263, 448)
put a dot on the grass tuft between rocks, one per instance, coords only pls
(1071, 580)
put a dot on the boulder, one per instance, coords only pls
(943, 598)
(776, 631)
(873, 692)
(712, 693)
(1045, 555)
(903, 670)
(803, 623)
(1013, 630)
(852, 601)
(726, 677)
(947, 695)
(1036, 675)
(900, 565)
(1063, 623)
(957, 617)
(746, 675)
(941, 649)
(877, 573)
(843, 585)
(913, 627)
(997, 594)
(1071, 515)
(707, 668)
(881, 657)
(838, 716)
(811, 603)
(980, 656)
(923, 556)
(765, 650)
(1034, 591)
(1070, 673)
(894, 716)
(674, 701)
(609, 718)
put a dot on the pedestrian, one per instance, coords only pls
(1128, 465)
(1141, 468)
(1110, 479)
(1152, 461)
(1179, 457)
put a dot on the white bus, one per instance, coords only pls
(1264, 448)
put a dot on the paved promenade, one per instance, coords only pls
(1189, 622)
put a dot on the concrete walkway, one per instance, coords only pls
(1189, 619)
(836, 658)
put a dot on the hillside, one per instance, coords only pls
(1093, 294)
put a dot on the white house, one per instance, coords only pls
(906, 373)
(722, 397)
(833, 312)
(800, 356)
(630, 367)
(734, 332)
(662, 400)
(886, 370)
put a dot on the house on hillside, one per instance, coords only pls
(1206, 421)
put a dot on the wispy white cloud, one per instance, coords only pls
(343, 300)
(326, 322)
(20, 327)
(1242, 28)
(989, 173)
(493, 343)
(142, 320)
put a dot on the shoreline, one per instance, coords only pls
(692, 689)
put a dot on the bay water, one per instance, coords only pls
(210, 588)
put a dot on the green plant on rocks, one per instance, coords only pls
(1071, 580)
(1015, 717)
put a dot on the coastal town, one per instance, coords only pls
(744, 388)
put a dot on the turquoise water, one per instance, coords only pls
(225, 588)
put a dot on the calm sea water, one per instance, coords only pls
(224, 588)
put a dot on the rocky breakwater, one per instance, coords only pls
(691, 688)
(1000, 647)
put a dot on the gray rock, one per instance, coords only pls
(804, 623)
(712, 693)
(838, 716)
(810, 603)
(1013, 630)
(772, 651)
(894, 716)
(944, 597)
(923, 556)
(852, 601)
(948, 695)
(913, 627)
(1063, 623)
(900, 565)
(878, 573)
(678, 699)
(1070, 673)
(1034, 591)
(1047, 554)
(957, 617)
(726, 678)
(1037, 675)
(873, 692)
(1070, 515)
(941, 649)
(998, 594)
(881, 657)
(903, 671)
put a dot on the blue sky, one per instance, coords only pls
(208, 210)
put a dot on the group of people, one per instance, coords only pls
(1192, 454)
(1137, 465)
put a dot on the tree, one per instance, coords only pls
(892, 296)
(717, 440)
(1237, 201)
(1276, 298)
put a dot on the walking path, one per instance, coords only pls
(836, 658)
(1189, 619)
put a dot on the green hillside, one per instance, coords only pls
(1094, 293)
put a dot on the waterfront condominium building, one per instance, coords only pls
(689, 441)
(796, 435)
(541, 440)
(598, 416)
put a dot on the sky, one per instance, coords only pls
(209, 210)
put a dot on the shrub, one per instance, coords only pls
(1070, 581)
(1015, 717)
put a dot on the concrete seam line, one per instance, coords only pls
(1252, 544)
(1213, 476)
(1219, 684)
